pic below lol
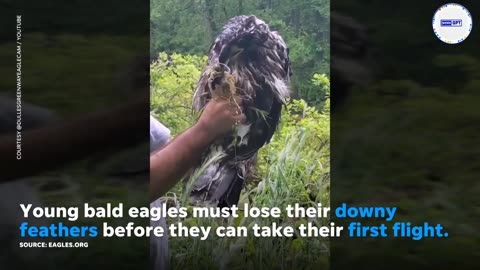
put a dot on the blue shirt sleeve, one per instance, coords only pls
(159, 134)
(159, 259)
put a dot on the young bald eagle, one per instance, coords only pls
(254, 59)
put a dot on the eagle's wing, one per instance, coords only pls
(258, 60)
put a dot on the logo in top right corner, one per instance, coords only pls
(452, 23)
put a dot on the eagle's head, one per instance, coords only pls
(256, 56)
(249, 61)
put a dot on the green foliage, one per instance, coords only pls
(189, 27)
(322, 81)
(292, 173)
(61, 58)
(429, 175)
(298, 119)
(319, 95)
(173, 79)
(293, 168)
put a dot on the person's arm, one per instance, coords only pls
(55, 145)
(168, 165)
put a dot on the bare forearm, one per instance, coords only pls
(52, 146)
(169, 165)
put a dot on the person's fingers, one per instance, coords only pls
(241, 118)
(238, 111)
(234, 108)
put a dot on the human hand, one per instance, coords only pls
(221, 116)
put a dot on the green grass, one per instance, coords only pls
(293, 168)
(290, 177)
